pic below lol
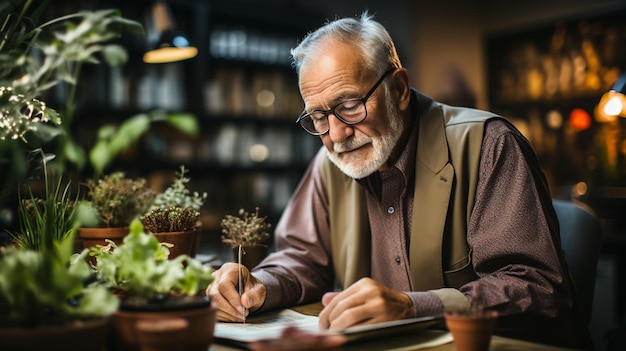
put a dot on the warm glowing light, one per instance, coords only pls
(259, 153)
(172, 45)
(554, 119)
(265, 98)
(579, 119)
(614, 106)
(580, 189)
(169, 54)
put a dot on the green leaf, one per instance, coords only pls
(74, 153)
(128, 133)
(47, 132)
(100, 156)
(115, 55)
(184, 122)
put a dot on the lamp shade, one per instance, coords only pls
(171, 45)
(620, 84)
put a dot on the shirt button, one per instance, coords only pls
(391, 210)
(398, 260)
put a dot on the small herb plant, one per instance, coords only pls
(172, 219)
(118, 200)
(45, 220)
(179, 195)
(140, 268)
(247, 230)
(176, 209)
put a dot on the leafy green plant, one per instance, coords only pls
(34, 58)
(64, 45)
(170, 219)
(114, 139)
(49, 217)
(40, 287)
(45, 220)
(118, 200)
(246, 230)
(140, 267)
(179, 195)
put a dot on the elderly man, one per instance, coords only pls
(410, 208)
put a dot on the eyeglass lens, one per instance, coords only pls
(349, 112)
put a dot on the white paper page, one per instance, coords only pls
(264, 326)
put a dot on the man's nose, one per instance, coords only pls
(338, 131)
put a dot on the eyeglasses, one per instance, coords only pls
(350, 112)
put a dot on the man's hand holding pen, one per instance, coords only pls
(225, 293)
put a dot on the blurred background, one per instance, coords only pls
(544, 65)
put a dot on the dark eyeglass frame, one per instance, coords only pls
(326, 113)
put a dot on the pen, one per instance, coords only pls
(243, 309)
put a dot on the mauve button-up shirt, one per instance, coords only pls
(513, 252)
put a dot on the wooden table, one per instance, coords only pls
(498, 343)
(406, 343)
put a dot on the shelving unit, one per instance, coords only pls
(548, 75)
(242, 89)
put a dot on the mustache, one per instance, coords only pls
(351, 144)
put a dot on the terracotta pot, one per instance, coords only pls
(470, 332)
(70, 337)
(197, 336)
(95, 236)
(183, 242)
(162, 334)
(198, 240)
(252, 257)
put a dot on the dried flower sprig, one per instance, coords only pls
(247, 230)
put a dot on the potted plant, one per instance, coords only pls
(173, 225)
(472, 327)
(175, 216)
(246, 234)
(36, 58)
(153, 288)
(46, 216)
(44, 300)
(116, 200)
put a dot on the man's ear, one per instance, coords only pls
(401, 87)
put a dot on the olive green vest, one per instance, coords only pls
(446, 174)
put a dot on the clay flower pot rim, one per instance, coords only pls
(163, 303)
(465, 314)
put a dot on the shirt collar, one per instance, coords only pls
(405, 163)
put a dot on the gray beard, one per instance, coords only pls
(383, 146)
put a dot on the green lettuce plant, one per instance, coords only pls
(39, 287)
(37, 284)
(139, 268)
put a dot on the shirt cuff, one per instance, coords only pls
(272, 287)
(435, 302)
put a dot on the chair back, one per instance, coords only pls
(581, 240)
